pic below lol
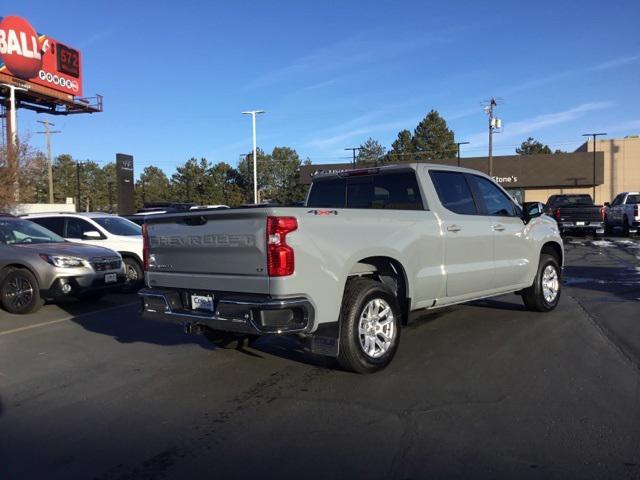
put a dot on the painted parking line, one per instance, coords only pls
(66, 319)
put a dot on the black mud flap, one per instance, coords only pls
(325, 340)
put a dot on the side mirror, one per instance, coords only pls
(531, 210)
(607, 204)
(91, 235)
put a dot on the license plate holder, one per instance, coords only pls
(110, 278)
(202, 302)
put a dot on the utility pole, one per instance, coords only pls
(494, 124)
(78, 164)
(12, 140)
(458, 145)
(354, 150)
(144, 193)
(47, 132)
(593, 135)
(253, 114)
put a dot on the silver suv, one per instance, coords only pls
(36, 264)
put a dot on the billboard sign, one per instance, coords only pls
(36, 58)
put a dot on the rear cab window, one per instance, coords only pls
(395, 190)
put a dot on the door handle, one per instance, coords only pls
(453, 228)
(498, 228)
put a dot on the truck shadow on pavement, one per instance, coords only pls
(123, 321)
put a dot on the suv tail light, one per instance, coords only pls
(145, 247)
(280, 256)
(557, 214)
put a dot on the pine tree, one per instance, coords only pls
(432, 139)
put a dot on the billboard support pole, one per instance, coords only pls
(12, 136)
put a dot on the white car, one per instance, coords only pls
(100, 229)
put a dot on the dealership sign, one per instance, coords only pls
(32, 57)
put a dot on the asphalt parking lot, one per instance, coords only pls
(486, 390)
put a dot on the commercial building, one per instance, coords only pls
(536, 177)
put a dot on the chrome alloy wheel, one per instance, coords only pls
(132, 274)
(550, 283)
(377, 328)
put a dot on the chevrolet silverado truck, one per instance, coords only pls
(576, 213)
(344, 271)
(623, 212)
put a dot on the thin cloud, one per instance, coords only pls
(528, 126)
(358, 132)
(536, 82)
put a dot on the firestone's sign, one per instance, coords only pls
(29, 56)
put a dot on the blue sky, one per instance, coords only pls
(176, 75)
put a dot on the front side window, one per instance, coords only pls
(496, 202)
(22, 232)
(76, 227)
(454, 192)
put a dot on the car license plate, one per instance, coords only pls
(110, 278)
(202, 302)
(580, 224)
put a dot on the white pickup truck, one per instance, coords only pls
(623, 212)
(345, 270)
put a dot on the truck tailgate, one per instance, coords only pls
(223, 250)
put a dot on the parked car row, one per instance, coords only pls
(578, 213)
(53, 255)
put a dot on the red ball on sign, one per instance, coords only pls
(19, 47)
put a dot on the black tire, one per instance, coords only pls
(625, 226)
(134, 275)
(358, 294)
(534, 297)
(19, 292)
(229, 341)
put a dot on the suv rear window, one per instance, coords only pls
(390, 191)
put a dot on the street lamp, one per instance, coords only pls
(594, 135)
(253, 114)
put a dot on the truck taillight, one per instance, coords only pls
(602, 213)
(280, 256)
(145, 247)
(635, 210)
(557, 214)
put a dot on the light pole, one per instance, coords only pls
(354, 150)
(594, 135)
(458, 145)
(253, 114)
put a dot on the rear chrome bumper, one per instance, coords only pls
(236, 314)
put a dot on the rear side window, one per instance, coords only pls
(496, 202)
(454, 192)
(391, 191)
(55, 224)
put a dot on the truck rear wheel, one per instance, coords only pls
(369, 326)
(544, 294)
